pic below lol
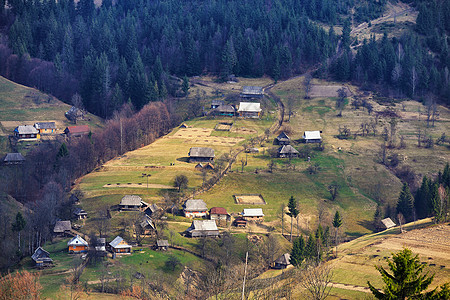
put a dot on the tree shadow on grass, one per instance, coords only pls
(183, 159)
(366, 224)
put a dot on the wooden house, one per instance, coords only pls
(388, 223)
(152, 210)
(74, 114)
(100, 245)
(282, 262)
(131, 202)
(203, 228)
(282, 139)
(287, 151)
(240, 222)
(217, 103)
(201, 154)
(73, 199)
(119, 246)
(253, 214)
(227, 110)
(162, 245)
(195, 208)
(249, 110)
(41, 258)
(77, 131)
(218, 213)
(26, 132)
(79, 213)
(62, 228)
(147, 225)
(252, 92)
(45, 127)
(312, 136)
(13, 159)
(77, 245)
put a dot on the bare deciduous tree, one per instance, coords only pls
(316, 279)
(307, 83)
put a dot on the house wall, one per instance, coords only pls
(129, 207)
(195, 214)
(247, 114)
(313, 140)
(122, 250)
(27, 136)
(47, 131)
(253, 218)
(77, 249)
(200, 159)
(218, 217)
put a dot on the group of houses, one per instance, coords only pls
(34, 132)
(286, 150)
(245, 109)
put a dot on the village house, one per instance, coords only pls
(388, 223)
(218, 213)
(250, 92)
(287, 151)
(147, 225)
(249, 110)
(195, 208)
(131, 202)
(201, 154)
(13, 159)
(77, 131)
(227, 110)
(79, 213)
(162, 245)
(283, 261)
(203, 228)
(45, 127)
(252, 214)
(62, 228)
(73, 199)
(282, 139)
(217, 103)
(206, 167)
(74, 114)
(77, 245)
(26, 132)
(152, 210)
(240, 222)
(119, 246)
(41, 258)
(100, 245)
(312, 136)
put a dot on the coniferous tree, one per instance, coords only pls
(298, 251)
(337, 223)
(405, 203)
(18, 225)
(292, 211)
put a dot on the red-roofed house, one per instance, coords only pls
(218, 213)
(81, 130)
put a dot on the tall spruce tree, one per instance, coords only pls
(405, 203)
(298, 251)
(293, 211)
(337, 222)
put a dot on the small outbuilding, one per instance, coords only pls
(162, 245)
(79, 213)
(249, 110)
(254, 214)
(312, 136)
(388, 223)
(195, 208)
(41, 258)
(218, 213)
(74, 114)
(77, 245)
(282, 262)
(203, 228)
(100, 245)
(282, 139)
(287, 151)
(225, 110)
(201, 154)
(131, 202)
(45, 127)
(152, 210)
(73, 199)
(26, 132)
(77, 131)
(119, 246)
(240, 222)
(62, 228)
(250, 92)
(147, 225)
(217, 103)
(13, 159)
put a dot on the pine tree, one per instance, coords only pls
(19, 225)
(293, 211)
(377, 218)
(62, 152)
(298, 251)
(311, 247)
(422, 198)
(405, 203)
(337, 222)
(405, 280)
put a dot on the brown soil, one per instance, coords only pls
(322, 91)
(249, 199)
(135, 185)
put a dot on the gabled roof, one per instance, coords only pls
(249, 107)
(77, 129)
(283, 137)
(77, 241)
(79, 211)
(26, 129)
(284, 259)
(115, 243)
(312, 135)
(201, 152)
(287, 149)
(147, 222)
(252, 90)
(199, 165)
(226, 108)
(131, 200)
(62, 226)
(41, 255)
(73, 198)
(217, 102)
(195, 205)
(203, 225)
(252, 212)
(13, 157)
(45, 125)
(162, 243)
(152, 208)
(218, 211)
(388, 223)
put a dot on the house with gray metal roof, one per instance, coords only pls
(249, 110)
(41, 258)
(79, 213)
(119, 246)
(283, 261)
(195, 208)
(26, 132)
(203, 228)
(249, 92)
(312, 136)
(77, 245)
(201, 154)
(147, 225)
(252, 214)
(131, 202)
(282, 139)
(162, 245)
(45, 127)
